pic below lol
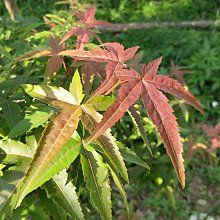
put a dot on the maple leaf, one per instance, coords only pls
(115, 56)
(87, 23)
(54, 62)
(89, 69)
(147, 86)
(179, 72)
(214, 134)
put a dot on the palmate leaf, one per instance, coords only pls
(147, 86)
(83, 33)
(51, 146)
(55, 135)
(95, 173)
(107, 142)
(63, 193)
(37, 117)
(54, 62)
(114, 56)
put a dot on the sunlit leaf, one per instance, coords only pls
(56, 96)
(51, 144)
(76, 88)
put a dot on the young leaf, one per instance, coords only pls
(107, 142)
(63, 193)
(54, 62)
(214, 134)
(58, 97)
(33, 120)
(96, 177)
(54, 137)
(83, 33)
(76, 88)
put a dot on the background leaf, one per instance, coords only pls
(131, 157)
(12, 112)
(19, 156)
(37, 117)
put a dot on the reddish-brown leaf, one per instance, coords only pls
(179, 72)
(87, 23)
(35, 54)
(156, 104)
(53, 65)
(114, 56)
(171, 86)
(128, 94)
(97, 55)
(88, 19)
(211, 131)
(162, 116)
(70, 34)
(54, 44)
(214, 134)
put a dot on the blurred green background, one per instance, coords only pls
(153, 194)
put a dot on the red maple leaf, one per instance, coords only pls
(115, 56)
(87, 23)
(179, 72)
(54, 62)
(214, 134)
(148, 86)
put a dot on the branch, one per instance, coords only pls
(148, 25)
